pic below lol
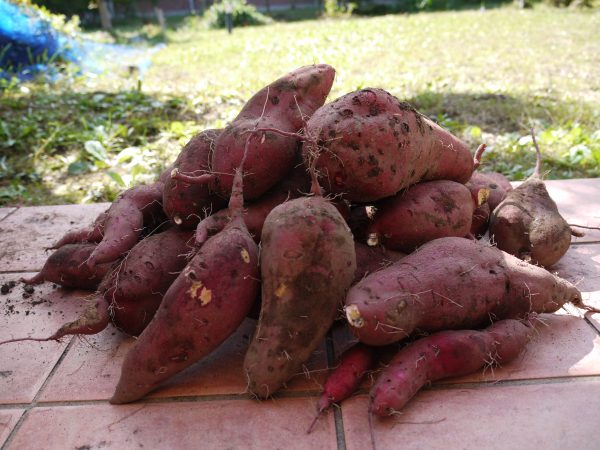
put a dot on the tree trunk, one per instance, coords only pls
(104, 15)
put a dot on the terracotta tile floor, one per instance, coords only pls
(54, 395)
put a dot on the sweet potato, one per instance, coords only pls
(284, 106)
(294, 185)
(135, 289)
(370, 145)
(125, 221)
(451, 283)
(67, 267)
(90, 234)
(370, 259)
(346, 377)
(527, 222)
(495, 187)
(204, 305)
(184, 203)
(442, 355)
(307, 264)
(423, 212)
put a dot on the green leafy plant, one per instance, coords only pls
(242, 14)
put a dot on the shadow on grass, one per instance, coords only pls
(61, 136)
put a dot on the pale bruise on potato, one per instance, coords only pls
(451, 283)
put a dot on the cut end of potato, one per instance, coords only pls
(353, 316)
(373, 240)
(482, 196)
(177, 220)
(174, 173)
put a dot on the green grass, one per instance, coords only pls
(488, 76)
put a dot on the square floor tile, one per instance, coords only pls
(5, 212)
(91, 370)
(549, 416)
(581, 266)
(234, 424)
(27, 232)
(578, 202)
(24, 366)
(8, 420)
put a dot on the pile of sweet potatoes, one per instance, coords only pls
(367, 213)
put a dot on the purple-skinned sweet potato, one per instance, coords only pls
(282, 106)
(307, 264)
(425, 211)
(370, 259)
(295, 184)
(442, 355)
(67, 267)
(527, 222)
(370, 145)
(184, 203)
(125, 220)
(205, 304)
(136, 287)
(451, 283)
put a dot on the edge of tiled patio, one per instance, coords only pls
(55, 395)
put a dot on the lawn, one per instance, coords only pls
(489, 76)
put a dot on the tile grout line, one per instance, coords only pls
(10, 213)
(34, 402)
(337, 412)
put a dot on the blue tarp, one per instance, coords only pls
(28, 43)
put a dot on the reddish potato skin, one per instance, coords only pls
(184, 203)
(91, 234)
(371, 259)
(203, 306)
(451, 283)
(423, 212)
(371, 146)
(282, 105)
(443, 355)
(125, 221)
(307, 264)
(527, 224)
(136, 288)
(67, 267)
(346, 377)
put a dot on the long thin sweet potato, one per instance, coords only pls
(442, 355)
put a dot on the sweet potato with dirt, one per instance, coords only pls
(90, 234)
(527, 222)
(451, 283)
(67, 267)
(442, 355)
(136, 287)
(185, 203)
(370, 145)
(425, 211)
(370, 259)
(205, 304)
(296, 183)
(307, 264)
(279, 108)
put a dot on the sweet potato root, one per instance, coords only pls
(442, 355)
(125, 221)
(451, 283)
(284, 106)
(204, 305)
(370, 146)
(67, 267)
(370, 259)
(527, 222)
(184, 203)
(307, 264)
(423, 212)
